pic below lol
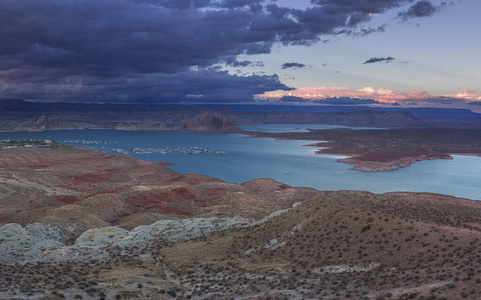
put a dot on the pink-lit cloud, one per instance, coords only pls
(468, 95)
(386, 96)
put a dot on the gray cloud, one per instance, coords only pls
(292, 65)
(245, 63)
(379, 59)
(94, 48)
(368, 30)
(421, 9)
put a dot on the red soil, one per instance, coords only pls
(66, 199)
(184, 193)
(112, 188)
(173, 211)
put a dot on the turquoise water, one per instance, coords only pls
(290, 162)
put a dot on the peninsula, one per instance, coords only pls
(388, 149)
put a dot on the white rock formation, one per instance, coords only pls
(45, 242)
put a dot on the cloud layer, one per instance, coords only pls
(330, 100)
(158, 50)
(370, 95)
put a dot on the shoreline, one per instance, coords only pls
(362, 148)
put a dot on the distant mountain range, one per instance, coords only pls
(203, 122)
(21, 110)
(43, 123)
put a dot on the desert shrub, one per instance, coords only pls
(365, 227)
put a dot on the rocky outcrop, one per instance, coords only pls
(203, 122)
(43, 123)
(211, 122)
(40, 242)
(46, 242)
(22, 244)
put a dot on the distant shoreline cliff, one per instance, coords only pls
(205, 122)
(43, 123)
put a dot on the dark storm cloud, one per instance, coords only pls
(421, 9)
(239, 3)
(379, 59)
(292, 65)
(178, 4)
(364, 6)
(208, 85)
(58, 47)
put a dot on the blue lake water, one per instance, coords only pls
(286, 161)
(295, 127)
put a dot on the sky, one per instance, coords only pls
(378, 52)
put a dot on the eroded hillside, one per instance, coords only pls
(111, 227)
(94, 190)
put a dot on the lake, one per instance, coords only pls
(237, 158)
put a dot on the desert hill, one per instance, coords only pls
(78, 224)
(95, 190)
(343, 245)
